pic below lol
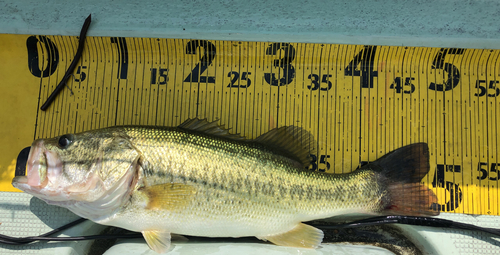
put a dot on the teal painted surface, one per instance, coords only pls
(441, 23)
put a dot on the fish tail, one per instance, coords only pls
(402, 171)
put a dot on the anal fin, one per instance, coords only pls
(158, 241)
(301, 236)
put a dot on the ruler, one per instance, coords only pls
(359, 101)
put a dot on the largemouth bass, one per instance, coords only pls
(197, 179)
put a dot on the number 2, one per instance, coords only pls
(205, 61)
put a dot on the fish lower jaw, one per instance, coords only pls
(20, 182)
(55, 197)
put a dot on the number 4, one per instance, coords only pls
(365, 60)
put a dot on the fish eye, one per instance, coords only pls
(65, 141)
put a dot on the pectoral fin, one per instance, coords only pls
(302, 236)
(158, 241)
(170, 196)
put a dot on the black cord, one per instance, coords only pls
(46, 237)
(71, 68)
(410, 220)
(380, 220)
(25, 240)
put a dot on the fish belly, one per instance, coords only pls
(206, 225)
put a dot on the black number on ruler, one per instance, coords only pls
(397, 85)
(454, 191)
(315, 82)
(123, 60)
(323, 164)
(51, 56)
(492, 174)
(365, 60)
(453, 72)
(492, 88)
(163, 76)
(236, 76)
(284, 63)
(80, 72)
(205, 61)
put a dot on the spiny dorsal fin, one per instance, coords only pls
(210, 128)
(158, 241)
(302, 236)
(169, 196)
(293, 142)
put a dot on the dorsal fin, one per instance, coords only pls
(293, 142)
(210, 128)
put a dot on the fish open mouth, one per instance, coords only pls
(43, 166)
(44, 178)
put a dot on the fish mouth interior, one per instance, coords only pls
(37, 166)
(42, 166)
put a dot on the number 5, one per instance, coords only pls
(453, 72)
(484, 172)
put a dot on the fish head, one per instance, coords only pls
(78, 167)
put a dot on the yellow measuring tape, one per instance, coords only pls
(360, 102)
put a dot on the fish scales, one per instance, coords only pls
(233, 172)
(197, 179)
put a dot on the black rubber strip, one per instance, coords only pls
(22, 160)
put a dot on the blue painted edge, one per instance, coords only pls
(432, 23)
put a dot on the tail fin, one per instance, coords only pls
(402, 170)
